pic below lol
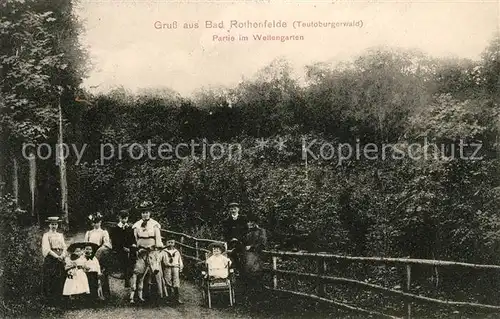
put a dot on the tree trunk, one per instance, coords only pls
(32, 161)
(62, 171)
(15, 181)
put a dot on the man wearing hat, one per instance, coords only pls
(235, 227)
(123, 241)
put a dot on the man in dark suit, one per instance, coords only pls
(123, 241)
(235, 227)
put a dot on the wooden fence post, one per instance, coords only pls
(181, 247)
(196, 248)
(275, 275)
(408, 286)
(321, 267)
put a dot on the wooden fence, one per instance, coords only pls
(195, 249)
(323, 260)
(191, 248)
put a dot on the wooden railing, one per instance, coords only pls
(191, 248)
(321, 279)
(195, 249)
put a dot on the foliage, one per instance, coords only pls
(435, 206)
(39, 60)
(41, 65)
(20, 246)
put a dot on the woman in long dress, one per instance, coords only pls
(100, 237)
(255, 241)
(53, 250)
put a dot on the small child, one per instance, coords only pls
(93, 270)
(172, 265)
(218, 264)
(76, 283)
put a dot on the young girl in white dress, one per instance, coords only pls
(218, 264)
(76, 280)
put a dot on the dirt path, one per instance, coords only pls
(118, 306)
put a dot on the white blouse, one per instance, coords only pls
(149, 235)
(52, 240)
(93, 265)
(98, 236)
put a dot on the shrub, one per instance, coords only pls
(20, 263)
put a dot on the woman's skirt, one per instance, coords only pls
(104, 256)
(93, 279)
(53, 278)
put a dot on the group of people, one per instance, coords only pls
(72, 271)
(81, 270)
(246, 239)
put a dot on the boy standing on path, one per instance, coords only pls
(123, 241)
(172, 267)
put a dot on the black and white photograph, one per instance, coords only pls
(249, 159)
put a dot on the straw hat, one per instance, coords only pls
(76, 245)
(145, 206)
(53, 219)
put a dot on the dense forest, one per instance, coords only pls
(443, 206)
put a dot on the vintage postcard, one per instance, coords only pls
(249, 159)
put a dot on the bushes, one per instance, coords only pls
(400, 207)
(20, 262)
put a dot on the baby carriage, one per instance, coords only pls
(217, 276)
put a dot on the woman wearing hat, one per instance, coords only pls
(53, 250)
(255, 241)
(148, 238)
(147, 230)
(100, 237)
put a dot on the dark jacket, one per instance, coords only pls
(235, 228)
(256, 238)
(122, 237)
